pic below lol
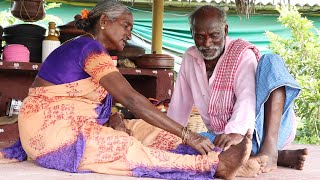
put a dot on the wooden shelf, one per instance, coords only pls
(20, 66)
(4, 65)
(145, 72)
(17, 77)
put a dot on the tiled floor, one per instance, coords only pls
(28, 170)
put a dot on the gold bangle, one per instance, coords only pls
(184, 135)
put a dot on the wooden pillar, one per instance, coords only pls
(157, 25)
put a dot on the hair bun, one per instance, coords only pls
(81, 23)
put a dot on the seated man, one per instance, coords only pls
(235, 89)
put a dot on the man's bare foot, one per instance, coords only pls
(232, 159)
(271, 151)
(293, 158)
(254, 166)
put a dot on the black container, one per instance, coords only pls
(69, 30)
(25, 30)
(1, 39)
(29, 35)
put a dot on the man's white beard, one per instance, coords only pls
(218, 50)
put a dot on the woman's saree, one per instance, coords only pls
(62, 127)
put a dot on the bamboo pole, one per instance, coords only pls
(157, 25)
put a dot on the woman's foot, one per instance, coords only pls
(232, 159)
(293, 158)
(254, 166)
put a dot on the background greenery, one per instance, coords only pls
(301, 53)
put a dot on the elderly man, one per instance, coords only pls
(234, 89)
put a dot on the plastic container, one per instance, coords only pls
(16, 53)
(114, 60)
(51, 42)
(47, 47)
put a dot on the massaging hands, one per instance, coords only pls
(116, 122)
(224, 141)
(202, 144)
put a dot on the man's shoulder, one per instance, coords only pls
(244, 48)
(243, 42)
(191, 51)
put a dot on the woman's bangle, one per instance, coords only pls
(185, 135)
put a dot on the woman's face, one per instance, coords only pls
(118, 32)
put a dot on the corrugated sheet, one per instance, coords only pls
(265, 2)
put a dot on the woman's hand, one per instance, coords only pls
(200, 143)
(116, 122)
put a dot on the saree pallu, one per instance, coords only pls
(61, 127)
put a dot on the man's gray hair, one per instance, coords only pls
(203, 10)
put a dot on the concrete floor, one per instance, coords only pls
(27, 170)
(311, 169)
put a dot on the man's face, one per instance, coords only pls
(209, 36)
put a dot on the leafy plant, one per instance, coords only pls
(301, 53)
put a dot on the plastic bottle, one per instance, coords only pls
(114, 60)
(51, 42)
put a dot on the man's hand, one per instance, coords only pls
(224, 141)
(202, 144)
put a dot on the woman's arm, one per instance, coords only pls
(141, 107)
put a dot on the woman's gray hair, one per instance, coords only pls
(111, 8)
(203, 11)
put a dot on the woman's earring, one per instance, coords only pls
(102, 27)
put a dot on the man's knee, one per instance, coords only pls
(270, 58)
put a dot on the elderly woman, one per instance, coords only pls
(62, 120)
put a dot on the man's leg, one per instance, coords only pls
(273, 114)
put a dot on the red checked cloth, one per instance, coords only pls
(223, 98)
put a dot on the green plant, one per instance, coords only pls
(301, 53)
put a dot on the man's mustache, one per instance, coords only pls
(201, 48)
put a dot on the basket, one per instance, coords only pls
(196, 124)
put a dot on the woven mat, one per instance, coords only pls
(196, 124)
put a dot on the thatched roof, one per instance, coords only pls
(242, 7)
(261, 2)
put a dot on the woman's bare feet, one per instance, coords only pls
(232, 159)
(254, 166)
(293, 158)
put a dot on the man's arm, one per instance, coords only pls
(182, 101)
(243, 116)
